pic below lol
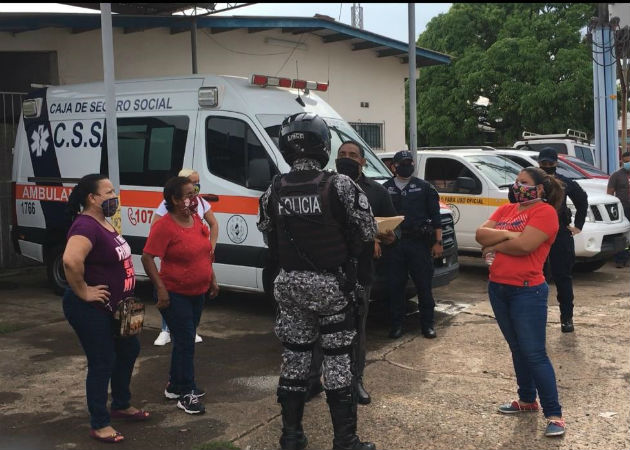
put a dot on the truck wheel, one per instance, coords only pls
(589, 266)
(54, 270)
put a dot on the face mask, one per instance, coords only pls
(626, 166)
(191, 204)
(550, 170)
(404, 170)
(110, 206)
(524, 192)
(197, 187)
(349, 167)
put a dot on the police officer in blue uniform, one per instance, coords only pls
(562, 252)
(420, 242)
(316, 223)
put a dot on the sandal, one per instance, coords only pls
(111, 439)
(138, 415)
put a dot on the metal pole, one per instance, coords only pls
(413, 125)
(193, 44)
(110, 103)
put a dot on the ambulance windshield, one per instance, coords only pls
(340, 132)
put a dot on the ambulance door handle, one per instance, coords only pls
(210, 197)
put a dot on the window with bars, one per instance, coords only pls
(372, 133)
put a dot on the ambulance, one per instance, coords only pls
(223, 127)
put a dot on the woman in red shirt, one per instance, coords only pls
(516, 241)
(182, 243)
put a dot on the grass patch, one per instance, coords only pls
(216, 445)
(10, 327)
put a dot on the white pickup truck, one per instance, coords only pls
(474, 181)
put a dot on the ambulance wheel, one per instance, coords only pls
(54, 270)
(269, 275)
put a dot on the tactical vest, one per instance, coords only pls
(300, 206)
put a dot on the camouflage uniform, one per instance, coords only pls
(311, 303)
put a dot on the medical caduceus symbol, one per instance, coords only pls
(40, 140)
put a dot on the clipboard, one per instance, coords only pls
(385, 224)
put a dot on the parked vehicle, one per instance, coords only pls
(223, 127)
(586, 169)
(474, 181)
(573, 143)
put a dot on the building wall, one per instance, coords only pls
(354, 77)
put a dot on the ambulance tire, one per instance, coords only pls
(269, 275)
(54, 269)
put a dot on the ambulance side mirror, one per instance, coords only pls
(259, 174)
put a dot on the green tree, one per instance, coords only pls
(529, 59)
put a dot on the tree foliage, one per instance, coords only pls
(529, 59)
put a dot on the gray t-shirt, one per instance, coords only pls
(620, 183)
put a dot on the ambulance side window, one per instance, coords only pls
(234, 153)
(446, 174)
(150, 149)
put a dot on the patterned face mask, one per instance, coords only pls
(192, 204)
(524, 192)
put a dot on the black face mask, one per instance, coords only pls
(404, 170)
(550, 170)
(349, 167)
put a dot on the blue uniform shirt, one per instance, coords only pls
(418, 201)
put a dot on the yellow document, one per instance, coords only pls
(386, 224)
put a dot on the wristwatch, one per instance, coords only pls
(439, 242)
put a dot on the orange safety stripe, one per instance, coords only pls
(228, 204)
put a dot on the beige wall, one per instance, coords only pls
(354, 76)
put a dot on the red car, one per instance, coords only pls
(583, 167)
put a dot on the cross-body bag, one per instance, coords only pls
(128, 317)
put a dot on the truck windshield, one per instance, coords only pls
(340, 131)
(499, 170)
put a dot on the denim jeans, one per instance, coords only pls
(410, 257)
(109, 357)
(521, 313)
(182, 317)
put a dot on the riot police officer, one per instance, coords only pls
(562, 252)
(316, 223)
(420, 242)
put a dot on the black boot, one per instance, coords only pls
(343, 412)
(293, 437)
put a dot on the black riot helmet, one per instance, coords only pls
(305, 135)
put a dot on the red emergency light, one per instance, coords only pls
(265, 80)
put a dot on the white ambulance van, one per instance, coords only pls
(223, 127)
(474, 181)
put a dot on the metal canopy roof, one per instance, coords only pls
(326, 28)
(158, 9)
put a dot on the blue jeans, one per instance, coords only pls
(109, 357)
(182, 317)
(410, 257)
(521, 313)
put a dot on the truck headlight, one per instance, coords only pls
(590, 217)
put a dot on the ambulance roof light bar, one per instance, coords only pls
(265, 80)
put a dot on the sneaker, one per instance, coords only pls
(555, 427)
(163, 338)
(198, 339)
(516, 407)
(171, 393)
(567, 326)
(190, 404)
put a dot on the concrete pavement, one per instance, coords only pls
(439, 393)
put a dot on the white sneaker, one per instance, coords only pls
(163, 338)
(198, 338)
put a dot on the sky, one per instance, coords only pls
(386, 19)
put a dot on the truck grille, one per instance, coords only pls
(448, 231)
(613, 211)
